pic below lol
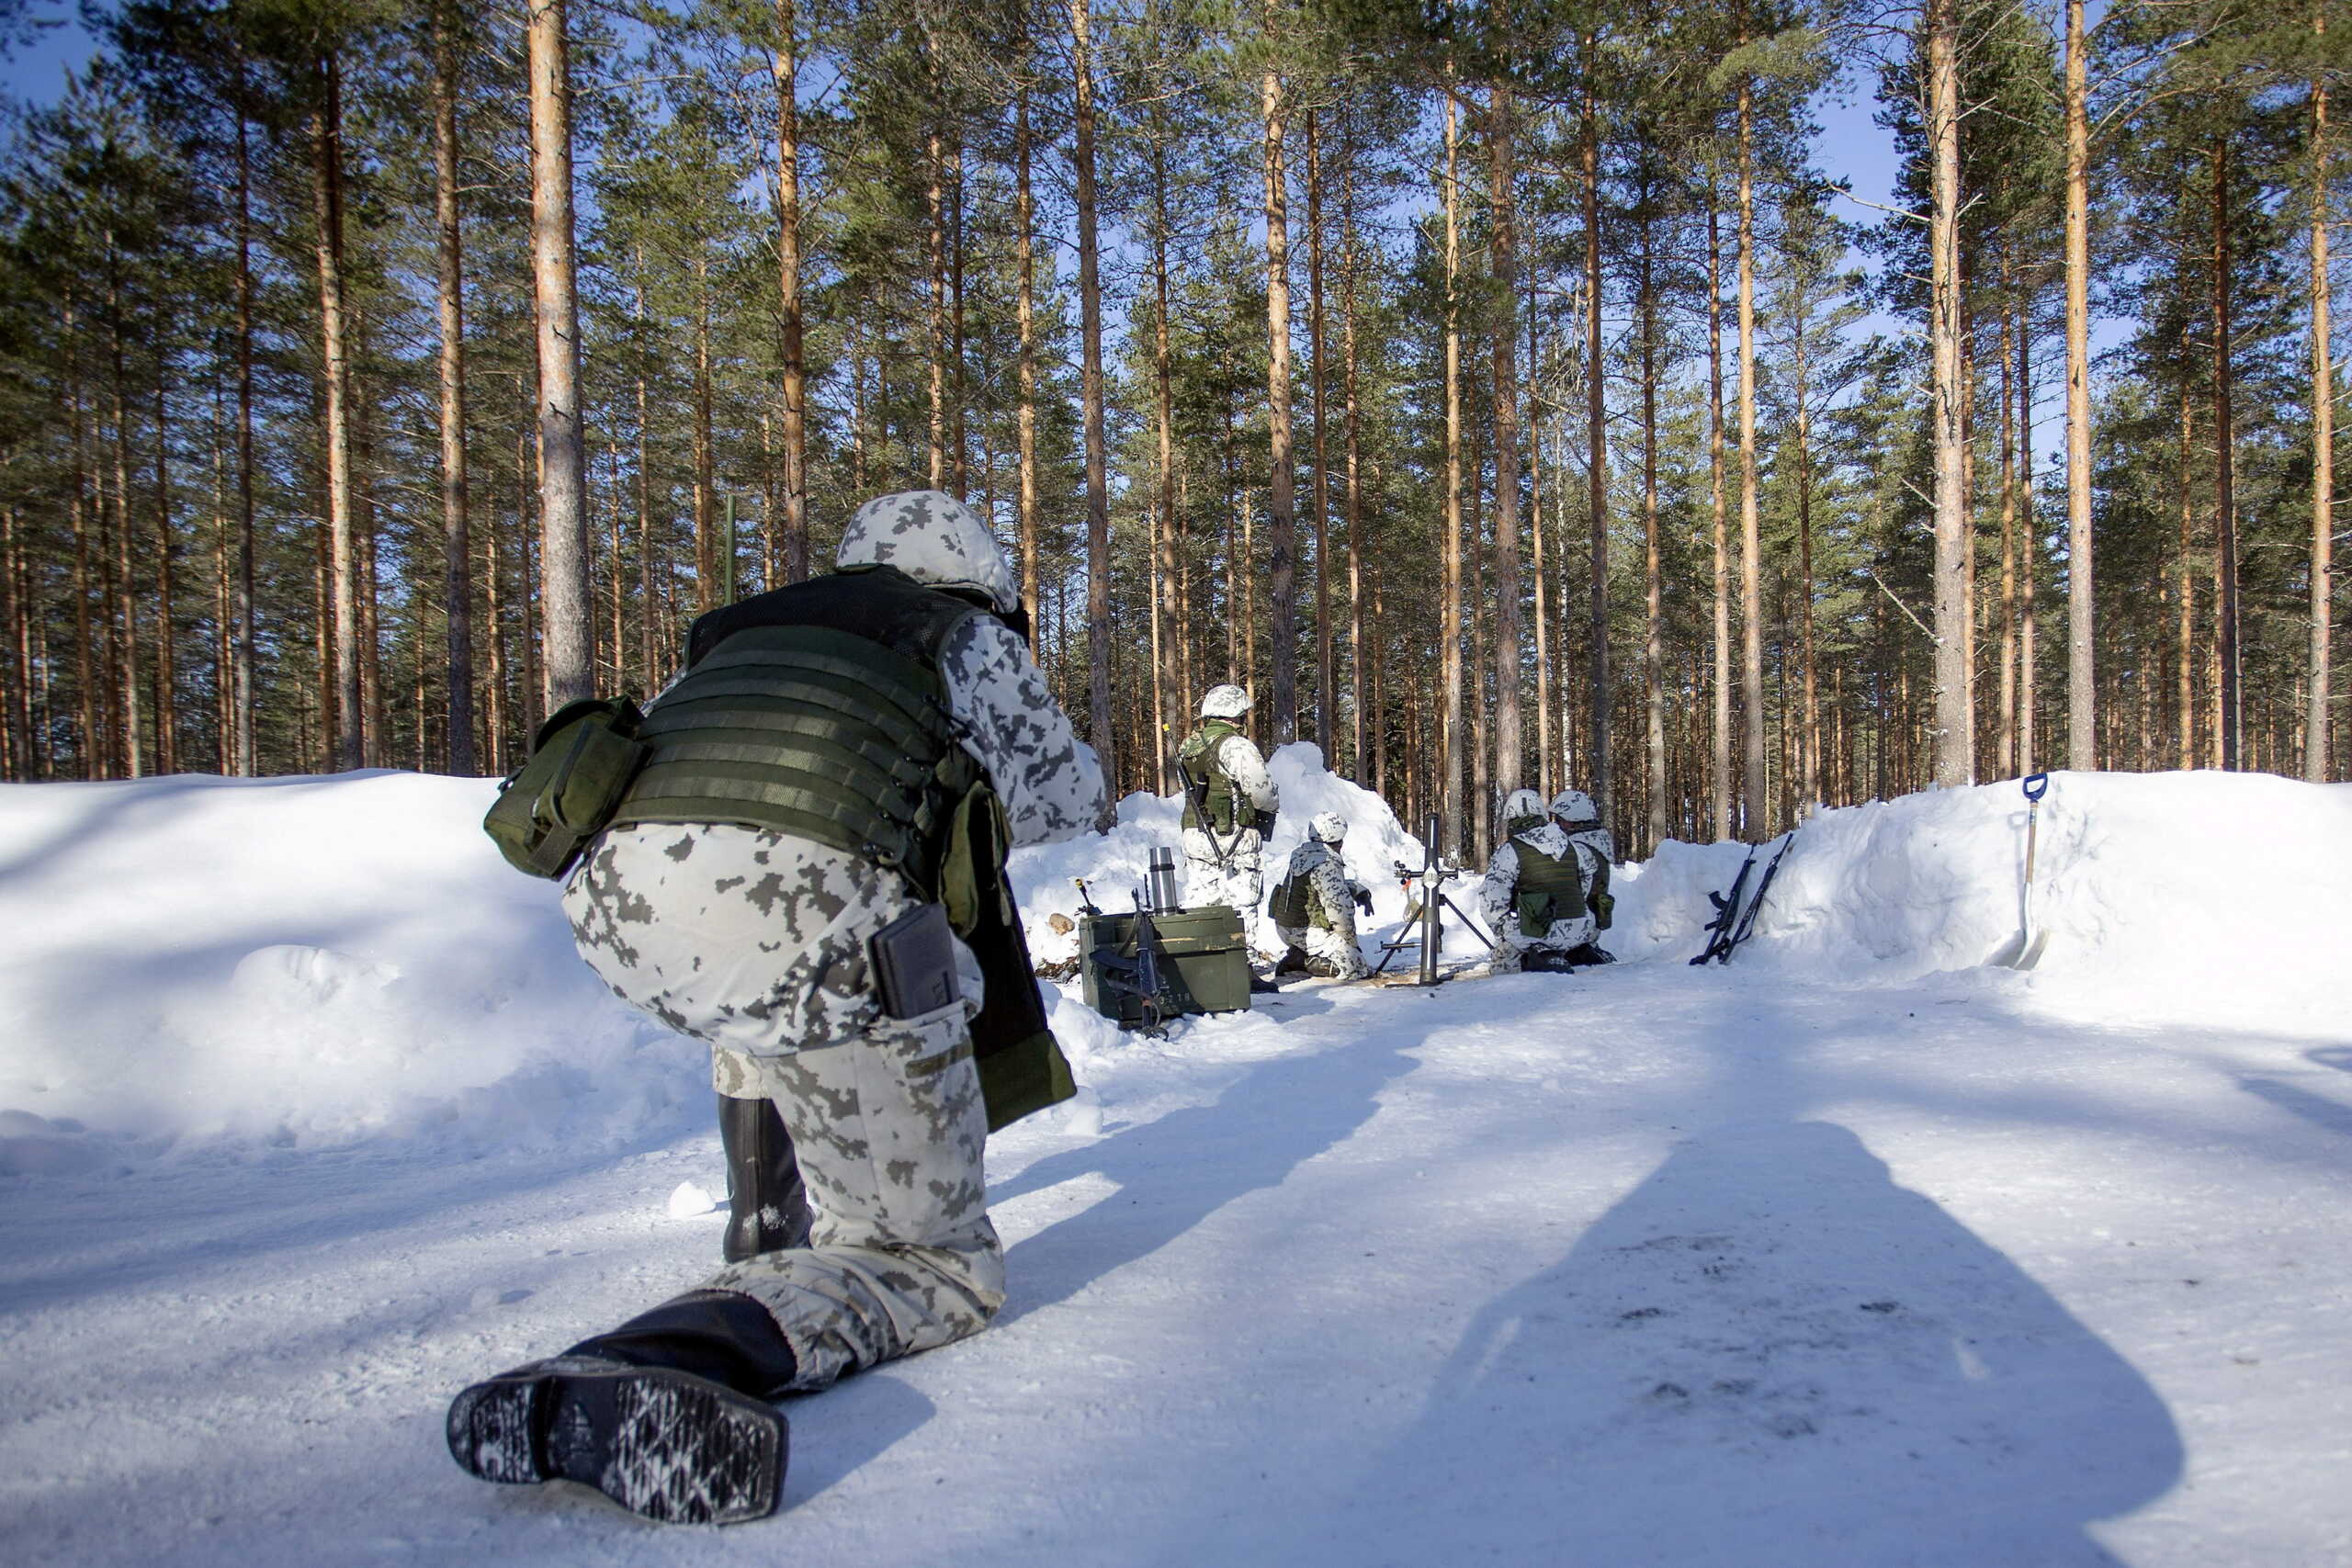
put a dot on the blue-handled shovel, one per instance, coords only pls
(2025, 951)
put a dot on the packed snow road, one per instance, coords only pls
(1643, 1265)
(1856, 1252)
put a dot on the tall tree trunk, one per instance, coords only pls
(1480, 814)
(1359, 688)
(457, 546)
(124, 610)
(344, 722)
(2318, 715)
(709, 570)
(935, 253)
(1025, 248)
(1325, 686)
(1719, 756)
(1596, 442)
(240, 676)
(1548, 779)
(88, 751)
(1098, 498)
(1449, 605)
(2031, 564)
(2185, 653)
(1282, 500)
(1165, 705)
(2004, 759)
(649, 602)
(167, 757)
(1653, 578)
(1809, 750)
(2081, 700)
(373, 738)
(570, 655)
(1503, 258)
(1955, 759)
(793, 413)
(2225, 515)
(959, 394)
(1757, 807)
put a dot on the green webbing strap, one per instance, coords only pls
(719, 701)
(886, 676)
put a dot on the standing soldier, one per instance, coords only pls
(1539, 885)
(1230, 802)
(1315, 906)
(808, 874)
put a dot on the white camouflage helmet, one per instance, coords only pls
(1327, 827)
(933, 538)
(1574, 806)
(1522, 805)
(1225, 702)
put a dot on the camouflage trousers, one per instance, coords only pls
(1236, 878)
(755, 942)
(1565, 936)
(1324, 946)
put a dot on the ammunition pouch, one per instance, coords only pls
(579, 770)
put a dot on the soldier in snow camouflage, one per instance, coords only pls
(757, 941)
(1315, 906)
(1545, 851)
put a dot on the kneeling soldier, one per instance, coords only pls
(1535, 889)
(1315, 906)
(808, 874)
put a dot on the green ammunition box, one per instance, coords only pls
(1202, 960)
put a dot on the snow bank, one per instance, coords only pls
(223, 965)
(230, 966)
(2219, 898)
(198, 961)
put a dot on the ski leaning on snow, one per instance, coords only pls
(1733, 922)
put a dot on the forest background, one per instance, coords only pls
(1493, 391)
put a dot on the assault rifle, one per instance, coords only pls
(1140, 976)
(1732, 924)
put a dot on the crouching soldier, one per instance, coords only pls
(806, 873)
(1229, 804)
(1539, 885)
(1315, 906)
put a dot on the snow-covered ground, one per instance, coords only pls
(1853, 1252)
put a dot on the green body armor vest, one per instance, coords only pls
(1549, 890)
(1208, 788)
(1294, 904)
(818, 710)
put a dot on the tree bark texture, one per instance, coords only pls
(568, 656)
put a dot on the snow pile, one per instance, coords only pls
(2218, 897)
(297, 963)
(203, 964)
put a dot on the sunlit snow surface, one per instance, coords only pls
(1854, 1251)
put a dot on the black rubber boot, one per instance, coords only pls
(769, 1201)
(1293, 962)
(666, 1415)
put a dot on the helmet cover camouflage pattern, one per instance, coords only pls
(1522, 805)
(1225, 702)
(1574, 806)
(933, 538)
(1327, 827)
